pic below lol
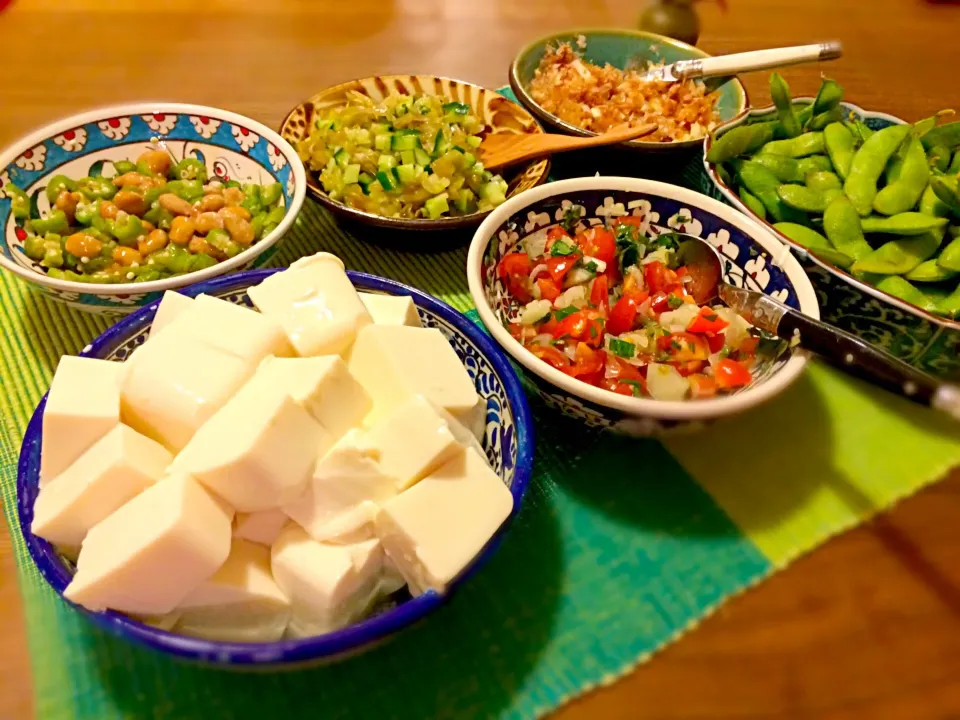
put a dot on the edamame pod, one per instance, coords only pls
(841, 147)
(780, 92)
(954, 168)
(724, 175)
(834, 257)
(907, 223)
(946, 191)
(950, 305)
(930, 204)
(823, 180)
(947, 135)
(803, 198)
(939, 157)
(904, 193)
(868, 164)
(810, 143)
(819, 122)
(860, 130)
(802, 235)
(828, 96)
(814, 163)
(950, 256)
(785, 168)
(930, 271)
(763, 184)
(903, 289)
(739, 141)
(752, 202)
(841, 223)
(898, 257)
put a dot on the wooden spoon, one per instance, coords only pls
(505, 148)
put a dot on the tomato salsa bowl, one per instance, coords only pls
(580, 282)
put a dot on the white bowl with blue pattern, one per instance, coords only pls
(752, 258)
(232, 146)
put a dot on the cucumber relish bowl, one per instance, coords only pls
(752, 258)
(507, 441)
(231, 146)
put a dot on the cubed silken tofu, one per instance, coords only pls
(260, 527)
(171, 306)
(151, 553)
(346, 481)
(329, 586)
(174, 384)
(323, 386)
(316, 304)
(257, 451)
(435, 529)
(83, 405)
(395, 362)
(240, 602)
(391, 309)
(117, 468)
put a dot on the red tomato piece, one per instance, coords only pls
(623, 315)
(702, 386)
(600, 292)
(716, 342)
(658, 277)
(707, 321)
(558, 267)
(684, 347)
(731, 374)
(549, 290)
(514, 264)
(573, 325)
(637, 222)
(553, 357)
(599, 243)
(691, 367)
(749, 346)
(556, 233)
(588, 361)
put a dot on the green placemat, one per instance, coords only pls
(622, 544)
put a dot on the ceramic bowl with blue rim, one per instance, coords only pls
(752, 258)
(508, 442)
(232, 147)
(928, 342)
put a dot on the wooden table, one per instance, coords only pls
(867, 627)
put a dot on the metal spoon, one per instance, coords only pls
(848, 352)
(744, 62)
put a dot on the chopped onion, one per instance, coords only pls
(601, 265)
(665, 383)
(575, 296)
(541, 268)
(571, 352)
(535, 311)
(677, 320)
(543, 339)
(578, 276)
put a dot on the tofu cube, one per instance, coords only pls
(260, 527)
(171, 306)
(435, 529)
(329, 586)
(240, 602)
(257, 451)
(340, 503)
(146, 557)
(83, 405)
(391, 309)
(174, 384)
(316, 304)
(395, 362)
(323, 386)
(475, 419)
(119, 466)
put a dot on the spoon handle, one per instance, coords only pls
(755, 60)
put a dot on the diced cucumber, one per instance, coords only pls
(382, 142)
(434, 184)
(386, 180)
(385, 162)
(342, 157)
(474, 141)
(436, 206)
(407, 157)
(379, 128)
(359, 136)
(406, 174)
(405, 140)
(421, 156)
(493, 192)
(466, 201)
(440, 145)
(351, 174)
(456, 108)
(469, 160)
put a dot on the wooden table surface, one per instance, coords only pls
(866, 627)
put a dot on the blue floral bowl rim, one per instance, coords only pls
(643, 407)
(12, 151)
(331, 644)
(728, 193)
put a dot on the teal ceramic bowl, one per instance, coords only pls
(622, 49)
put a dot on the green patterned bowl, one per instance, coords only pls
(620, 48)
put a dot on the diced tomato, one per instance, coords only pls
(599, 243)
(716, 342)
(702, 386)
(612, 273)
(684, 347)
(514, 264)
(523, 332)
(659, 277)
(703, 282)
(558, 267)
(634, 220)
(691, 367)
(630, 285)
(621, 388)
(749, 346)
(549, 290)
(596, 321)
(620, 369)
(553, 357)
(573, 325)
(588, 361)
(556, 233)
(707, 321)
(731, 374)
(623, 315)
(661, 302)
(600, 292)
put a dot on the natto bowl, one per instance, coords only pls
(928, 342)
(498, 114)
(752, 258)
(232, 147)
(622, 49)
(508, 442)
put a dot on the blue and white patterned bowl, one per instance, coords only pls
(508, 442)
(752, 258)
(928, 342)
(232, 147)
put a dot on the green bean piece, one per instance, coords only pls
(823, 180)
(954, 168)
(201, 261)
(97, 264)
(55, 222)
(19, 201)
(763, 184)
(905, 192)
(906, 223)
(738, 141)
(780, 92)
(231, 184)
(947, 135)
(122, 167)
(803, 198)
(903, 289)
(929, 271)
(85, 211)
(841, 147)
(950, 305)
(868, 164)
(753, 203)
(950, 256)
(159, 217)
(786, 169)
(188, 190)
(810, 143)
(841, 223)
(257, 222)
(947, 192)
(57, 184)
(97, 188)
(127, 228)
(899, 256)
(153, 194)
(172, 258)
(34, 246)
(939, 158)
(828, 97)
(220, 240)
(270, 194)
(147, 273)
(819, 122)
(275, 215)
(106, 227)
(251, 199)
(190, 169)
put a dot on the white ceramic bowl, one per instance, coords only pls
(753, 258)
(232, 147)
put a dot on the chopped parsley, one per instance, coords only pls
(591, 266)
(770, 345)
(635, 387)
(709, 317)
(593, 330)
(667, 240)
(561, 248)
(629, 248)
(571, 218)
(683, 219)
(564, 312)
(622, 348)
(674, 302)
(676, 345)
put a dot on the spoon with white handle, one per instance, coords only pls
(744, 62)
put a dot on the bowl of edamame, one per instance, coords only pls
(868, 203)
(107, 209)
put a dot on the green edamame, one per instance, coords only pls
(823, 180)
(947, 135)
(752, 202)
(903, 193)
(841, 147)
(954, 168)
(819, 122)
(900, 256)
(270, 194)
(950, 305)
(724, 175)
(803, 198)
(763, 184)
(906, 223)
(834, 257)
(860, 131)
(903, 289)
(802, 235)
(785, 168)
(810, 143)
(939, 157)
(947, 192)
(950, 256)
(868, 164)
(930, 204)
(929, 271)
(780, 93)
(739, 141)
(841, 223)
(814, 163)
(828, 97)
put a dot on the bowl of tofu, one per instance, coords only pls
(274, 468)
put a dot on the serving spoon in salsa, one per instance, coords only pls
(848, 352)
